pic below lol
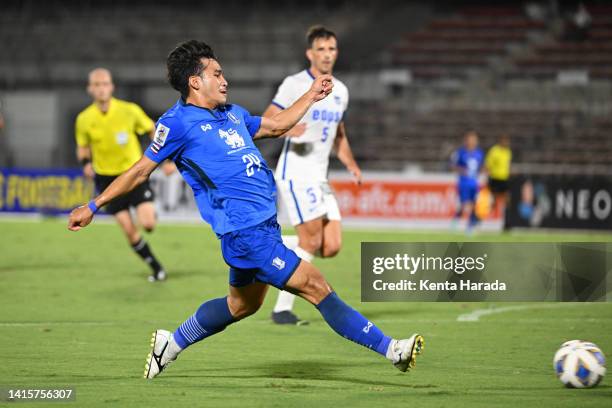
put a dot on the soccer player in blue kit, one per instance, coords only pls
(468, 161)
(211, 143)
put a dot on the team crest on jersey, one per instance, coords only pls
(337, 99)
(161, 133)
(278, 263)
(232, 138)
(206, 127)
(233, 118)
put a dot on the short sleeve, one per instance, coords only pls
(285, 95)
(168, 139)
(81, 135)
(144, 124)
(252, 123)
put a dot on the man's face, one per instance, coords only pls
(212, 84)
(100, 85)
(471, 140)
(323, 54)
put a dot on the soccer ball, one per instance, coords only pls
(579, 364)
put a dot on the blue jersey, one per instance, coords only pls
(214, 151)
(470, 161)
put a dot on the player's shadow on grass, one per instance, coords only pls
(312, 370)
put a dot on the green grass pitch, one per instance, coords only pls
(76, 310)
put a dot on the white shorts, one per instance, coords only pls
(305, 201)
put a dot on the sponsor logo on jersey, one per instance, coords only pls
(233, 118)
(325, 115)
(161, 133)
(206, 127)
(278, 263)
(232, 138)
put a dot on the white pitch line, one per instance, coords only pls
(475, 315)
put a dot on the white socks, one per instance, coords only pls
(285, 300)
(306, 256)
(173, 349)
(391, 352)
(290, 241)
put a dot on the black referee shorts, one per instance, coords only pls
(141, 194)
(498, 186)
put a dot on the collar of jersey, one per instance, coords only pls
(310, 73)
(215, 113)
(111, 107)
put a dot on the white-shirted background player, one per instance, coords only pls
(301, 172)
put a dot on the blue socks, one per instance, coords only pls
(210, 318)
(350, 324)
(214, 316)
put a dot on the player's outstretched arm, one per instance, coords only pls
(296, 131)
(137, 174)
(284, 120)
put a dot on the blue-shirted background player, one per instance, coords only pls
(468, 161)
(211, 143)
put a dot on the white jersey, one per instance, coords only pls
(307, 157)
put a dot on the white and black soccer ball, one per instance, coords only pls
(579, 364)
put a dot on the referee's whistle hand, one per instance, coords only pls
(79, 217)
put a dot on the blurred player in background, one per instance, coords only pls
(212, 144)
(3, 143)
(6, 156)
(468, 162)
(301, 172)
(107, 145)
(497, 164)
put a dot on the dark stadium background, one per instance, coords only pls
(487, 65)
(420, 75)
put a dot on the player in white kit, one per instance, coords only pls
(301, 172)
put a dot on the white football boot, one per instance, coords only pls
(163, 351)
(402, 353)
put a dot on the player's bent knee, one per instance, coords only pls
(241, 309)
(308, 282)
(316, 288)
(148, 226)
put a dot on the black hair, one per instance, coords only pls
(318, 31)
(186, 60)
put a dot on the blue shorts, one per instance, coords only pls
(257, 254)
(467, 192)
